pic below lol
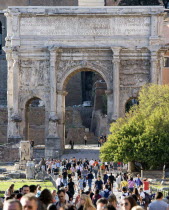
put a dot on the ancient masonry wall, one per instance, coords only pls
(8, 153)
(36, 125)
(3, 125)
(74, 96)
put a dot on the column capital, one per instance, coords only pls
(53, 117)
(54, 49)
(8, 56)
(154, 48)
(116, 51)
(62, 92)
(109, 92)
(154, 56)
(15, 56)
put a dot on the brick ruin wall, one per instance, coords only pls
(75, 117)
(8, 153)
(36, 125)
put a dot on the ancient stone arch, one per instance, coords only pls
(46, 45)
(77, 69)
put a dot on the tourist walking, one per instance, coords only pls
(62, 203)
(128, 203)
(99, 183)
(90, 177)
(71, 186)
(86, 203)
(80, 183)
(131, 184)
(138, 181)
(59, 182)
(159, 204)
(85, 140)
(64, 175)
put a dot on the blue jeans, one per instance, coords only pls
(65, 182)
(90, 183)
(95, 173)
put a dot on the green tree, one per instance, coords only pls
(143, 134)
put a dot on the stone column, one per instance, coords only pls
(61, 110)
(154, 67)
(161, 66)
(109, 94)
(116, 82)
(13, 91)
(53, 139)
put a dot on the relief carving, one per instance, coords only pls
(34, 73)
(102, 66)
(134, 72)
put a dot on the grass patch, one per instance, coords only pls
(4, 185)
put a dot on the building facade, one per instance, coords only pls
(45, 46)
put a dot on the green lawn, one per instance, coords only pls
(20, 182)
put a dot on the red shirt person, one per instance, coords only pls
(146, 186)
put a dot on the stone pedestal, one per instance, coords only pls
(30, 170)
(24, 153)
(53, 147)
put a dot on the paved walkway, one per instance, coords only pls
(90, 151)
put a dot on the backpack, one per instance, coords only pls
(106, 194)
(147, 198)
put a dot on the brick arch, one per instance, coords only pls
(30, 114)
(26, 98)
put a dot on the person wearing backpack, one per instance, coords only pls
(106, 192)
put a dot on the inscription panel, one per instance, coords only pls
(88, 26)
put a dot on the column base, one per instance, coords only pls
(14, 139)
(53, 148)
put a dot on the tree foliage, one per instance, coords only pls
(143, 134)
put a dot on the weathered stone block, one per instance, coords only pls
(14, 175)
(39, 175)
(2, 170)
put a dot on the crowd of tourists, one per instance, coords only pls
(85, 185)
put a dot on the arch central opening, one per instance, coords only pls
(85, 107)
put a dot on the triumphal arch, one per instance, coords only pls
(45, 46)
